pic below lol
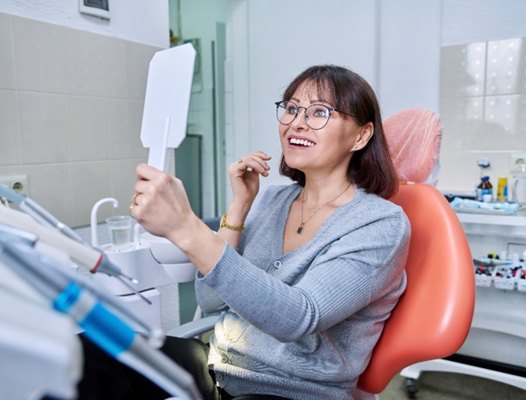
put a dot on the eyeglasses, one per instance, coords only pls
(316, 115)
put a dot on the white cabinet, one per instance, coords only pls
(494, 233)
(498, 331)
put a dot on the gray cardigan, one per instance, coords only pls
(302, 325)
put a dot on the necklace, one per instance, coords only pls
(299, 231)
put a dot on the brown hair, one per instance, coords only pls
(371, 168)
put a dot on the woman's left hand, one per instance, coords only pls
(160, 203)
(244, 176)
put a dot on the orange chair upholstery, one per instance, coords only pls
(433, 316)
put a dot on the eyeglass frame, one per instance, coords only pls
(331, 110)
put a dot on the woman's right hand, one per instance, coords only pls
(244, 176)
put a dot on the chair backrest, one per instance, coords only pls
(433, 316)
(414, 136)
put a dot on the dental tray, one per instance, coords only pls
(483, 211)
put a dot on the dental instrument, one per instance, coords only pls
(78, 248)
(84, 255)
(99, 324)
(153, 334)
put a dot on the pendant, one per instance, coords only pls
(299, 230)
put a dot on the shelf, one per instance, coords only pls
(518, 220)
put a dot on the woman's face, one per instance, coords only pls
(328, 149)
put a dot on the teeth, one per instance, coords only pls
(301, 142)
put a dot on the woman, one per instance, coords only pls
(308, 275)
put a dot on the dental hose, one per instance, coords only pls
(81, 254)
(99, 324)
(47, 219)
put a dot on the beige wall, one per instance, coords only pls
(483, 110)
(70, 114)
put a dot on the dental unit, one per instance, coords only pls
(157, 264)
(65, 238)
(79, 253)
(68, 293)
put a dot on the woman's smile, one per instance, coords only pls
(300, 142)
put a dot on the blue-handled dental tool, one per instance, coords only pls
(8, 234)
(99, 324)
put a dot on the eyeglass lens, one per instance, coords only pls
(316, 115)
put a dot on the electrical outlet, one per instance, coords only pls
(517, 159)
(18, 183)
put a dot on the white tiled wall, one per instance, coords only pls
(70, 114)
(483, 110)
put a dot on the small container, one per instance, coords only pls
(521, 281)
(484, 188)
(483, 276)
(120, 228)
(502, 189)
(505, 277)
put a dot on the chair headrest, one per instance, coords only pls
(414, 137)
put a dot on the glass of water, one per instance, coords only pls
(121, 232)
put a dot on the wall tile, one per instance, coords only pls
(462, 70)
(451, 163)
(506, 64)
(136, 71)
(492, 125)
(125, 119)
(90, 182)
(90, 128)
(96, 65)
(466, 163)
(9, 133)
(500, 166)
(505, 126)
(50, 186)
(76, 100)
(41, 63)
(7, 60)
(462, 120)
(44, 127)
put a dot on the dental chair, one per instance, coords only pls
(433, 316)
(414, 134)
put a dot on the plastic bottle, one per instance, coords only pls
(484, 188)
(502, 189)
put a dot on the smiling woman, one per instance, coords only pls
(349, 98)
(292, 271)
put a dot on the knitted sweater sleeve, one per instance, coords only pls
(364, 265)
(208, 299)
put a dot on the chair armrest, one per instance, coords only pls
(194, 328)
